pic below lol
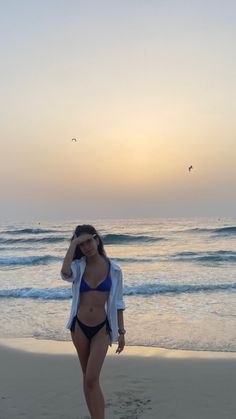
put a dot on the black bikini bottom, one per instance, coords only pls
(90, 331)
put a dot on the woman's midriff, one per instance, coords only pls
(91, 310)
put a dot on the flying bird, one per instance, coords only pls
(190, 168)
(74, 139)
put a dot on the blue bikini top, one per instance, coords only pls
(104, 286)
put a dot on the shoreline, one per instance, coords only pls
(53, 347)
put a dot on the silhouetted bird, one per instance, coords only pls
(190, 168)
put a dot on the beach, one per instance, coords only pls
(42, 379)
(118, 206)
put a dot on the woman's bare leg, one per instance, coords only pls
(82, 346)
(98, 349)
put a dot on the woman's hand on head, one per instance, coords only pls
(75, 240)
(121, 344)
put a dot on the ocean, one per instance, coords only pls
(179, 280)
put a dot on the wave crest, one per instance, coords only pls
(128, 238)
(214, 256)
(64, 293)
(226, 230)
(28, 260)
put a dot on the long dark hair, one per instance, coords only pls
(87, 228)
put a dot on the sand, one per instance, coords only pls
(42, 379)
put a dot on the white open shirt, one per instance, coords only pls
(115, 300)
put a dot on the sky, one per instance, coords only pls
(147, 88)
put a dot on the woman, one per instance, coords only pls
(96, 318)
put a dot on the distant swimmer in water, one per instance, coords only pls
(74, 139)
(190, 168)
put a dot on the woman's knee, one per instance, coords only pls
(90, 381)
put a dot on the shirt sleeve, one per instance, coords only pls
(120, 305)
(74, 269)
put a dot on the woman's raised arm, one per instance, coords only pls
(68, 271)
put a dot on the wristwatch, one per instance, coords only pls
(121, 331)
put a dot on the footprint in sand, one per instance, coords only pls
(130, 403)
